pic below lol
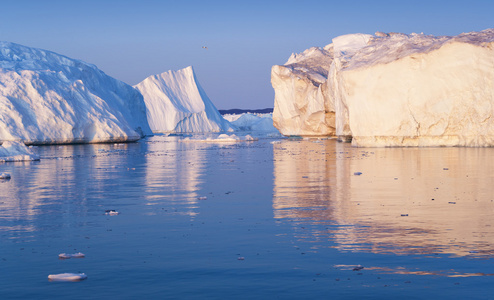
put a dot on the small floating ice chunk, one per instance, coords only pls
(111, 212)
(202, 198)
(250, 138)
(74, 255)
(16, 151)
(67, 277)
(241, 258)
(4, 176)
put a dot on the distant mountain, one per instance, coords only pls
(237, 111)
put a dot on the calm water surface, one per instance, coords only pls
(283, 219)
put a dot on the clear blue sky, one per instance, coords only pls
(131, 40)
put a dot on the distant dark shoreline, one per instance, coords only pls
(238, 111)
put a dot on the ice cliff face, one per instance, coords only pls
(49, 98)
(411, 90)
(300, 94)
(175, 102)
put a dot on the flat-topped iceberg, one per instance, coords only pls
(176, 102)
(419, 90)
(402, 90)
(48, 98)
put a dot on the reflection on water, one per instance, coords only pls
(174, 166)
(405, 201)
(404, 271)
(73, 180)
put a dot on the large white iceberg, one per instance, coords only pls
(175, 102)
(49, 98)
(411, 90)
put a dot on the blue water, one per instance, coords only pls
(283, 219)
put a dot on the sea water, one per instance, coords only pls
(284, 218)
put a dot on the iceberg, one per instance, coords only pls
(176, 103)
(253, 122)
(395, 89)
(47, 98)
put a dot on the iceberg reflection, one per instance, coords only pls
(387, 200)
(174, 171)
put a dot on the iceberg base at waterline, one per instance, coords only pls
(16, 151)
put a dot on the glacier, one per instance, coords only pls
(48, 98)
(176, 103)
(395, 89)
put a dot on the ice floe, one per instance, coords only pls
(67, 277)
(74, 255)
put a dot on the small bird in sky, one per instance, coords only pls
(204, 47)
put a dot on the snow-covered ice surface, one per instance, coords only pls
(16, 151)
(395, 89)
(49, 98)
(176, 102)
(284, 218)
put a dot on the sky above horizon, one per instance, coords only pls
(131, 40)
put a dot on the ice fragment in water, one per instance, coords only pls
(111, 212)
(67, 277)
(5, 176)
(75, 255)
(202, 198)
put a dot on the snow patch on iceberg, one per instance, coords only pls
(176, 103)
(49, 98)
